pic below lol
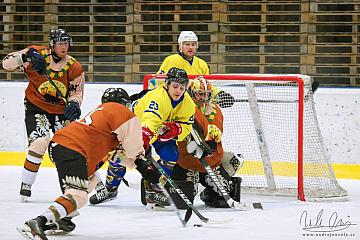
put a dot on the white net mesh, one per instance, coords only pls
(277, 105)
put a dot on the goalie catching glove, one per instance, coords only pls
(168, 131)
(147, 170)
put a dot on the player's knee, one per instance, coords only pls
(80, 197)
(39, 145)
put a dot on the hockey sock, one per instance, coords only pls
(115, 174)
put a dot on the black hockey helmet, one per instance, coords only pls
(177, 75)
(118, 95)
(59, 35)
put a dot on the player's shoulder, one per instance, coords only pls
(113, 106)
(172, 57)
(202, 61)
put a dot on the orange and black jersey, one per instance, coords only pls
(67, 74)
(102, 131)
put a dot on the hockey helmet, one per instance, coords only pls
(177, 75)
(187, 36)
(118, 95)
(200, 89)
(59, 35)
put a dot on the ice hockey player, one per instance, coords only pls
(77, 154)
(184, 59)
(167, 115)
(188, 170)
(52, 97)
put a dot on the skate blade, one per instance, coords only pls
(55, 232)
(25, 231)
(24, 199)
(154, 207)
(106, 200)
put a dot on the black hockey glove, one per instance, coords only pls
(147, 170)
(37, 61)
(72, 110)
(213, 146)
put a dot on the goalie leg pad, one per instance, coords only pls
(210, 196)
(235, 188)
(231, 162)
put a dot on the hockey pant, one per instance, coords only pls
(73, 179)
(39, 125)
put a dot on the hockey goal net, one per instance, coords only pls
(270, 121)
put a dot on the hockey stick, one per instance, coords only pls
(58, 92)
(181, 194)
(231, 202)
(172, 204)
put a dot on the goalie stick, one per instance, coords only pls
(231, 202)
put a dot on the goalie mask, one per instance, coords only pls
(118, 95)
(200, 90)
(59, 35)
(177, 75)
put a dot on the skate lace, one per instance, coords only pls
(102, 194)
(25, 186)
(160, 198)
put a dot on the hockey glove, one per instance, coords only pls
(72, 110)
(37, 61)
(147, 170)
(169, 131)
(146, 136)
(212, 144)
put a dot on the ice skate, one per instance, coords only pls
(102, 194)
(25, 191)
(33, 229)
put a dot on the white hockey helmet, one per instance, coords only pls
(187, 36)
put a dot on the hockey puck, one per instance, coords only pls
(198, 225)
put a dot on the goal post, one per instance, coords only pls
(270, 120)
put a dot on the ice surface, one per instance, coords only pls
(126, 217)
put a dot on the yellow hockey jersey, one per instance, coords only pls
(196, 66)
(156, 107)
